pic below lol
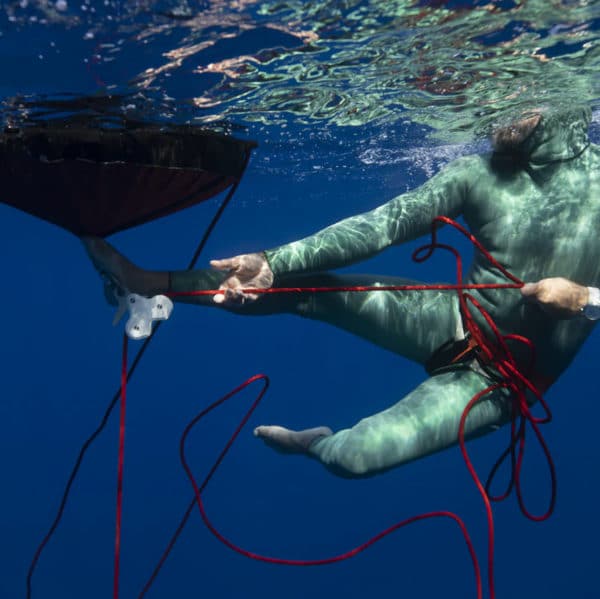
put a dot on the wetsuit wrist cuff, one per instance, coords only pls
(592, 309)
(269, 258)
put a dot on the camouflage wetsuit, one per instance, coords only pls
(537, 211)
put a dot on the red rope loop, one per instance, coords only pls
(198, 489)
(492, 352)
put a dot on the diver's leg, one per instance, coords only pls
(424, 422)
(122, 272)
(410, 323)
(126, 275)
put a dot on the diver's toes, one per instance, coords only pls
(262, 431)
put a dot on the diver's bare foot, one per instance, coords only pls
(288, 441)
(113, 265)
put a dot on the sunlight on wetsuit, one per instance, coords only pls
(534, 205)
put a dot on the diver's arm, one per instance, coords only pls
(406, 217)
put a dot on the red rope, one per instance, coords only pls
(121, 460)
(296, 562)
(115, 398)
(493, 352)
(355, 288)
(198, 489)
(497, 353)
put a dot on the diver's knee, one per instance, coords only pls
(345, 468)
(345, 455)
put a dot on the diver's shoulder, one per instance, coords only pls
(470, 164)
(477, 166)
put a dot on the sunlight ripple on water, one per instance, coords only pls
(450, 68)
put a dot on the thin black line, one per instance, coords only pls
(88, 442)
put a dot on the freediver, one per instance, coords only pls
(533, 203)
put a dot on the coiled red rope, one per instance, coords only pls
(493, 352)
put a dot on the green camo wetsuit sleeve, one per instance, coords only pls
(357, 238)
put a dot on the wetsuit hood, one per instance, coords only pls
(558, 136)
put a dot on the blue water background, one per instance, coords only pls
(61, 365)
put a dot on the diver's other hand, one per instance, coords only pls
(248, 271)
(557, 296)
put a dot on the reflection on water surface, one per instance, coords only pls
(456, 66)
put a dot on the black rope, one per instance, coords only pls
(88, 442)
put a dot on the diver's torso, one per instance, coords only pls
(540, 222)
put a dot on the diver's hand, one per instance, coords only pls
(248, 271)
(557, 296)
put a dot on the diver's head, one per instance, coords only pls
(544, 135)
(509, 138)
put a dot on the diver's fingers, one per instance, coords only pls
(529, 289)
(231, 297)
(232, 293)
(226, 264)
(244, 297)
